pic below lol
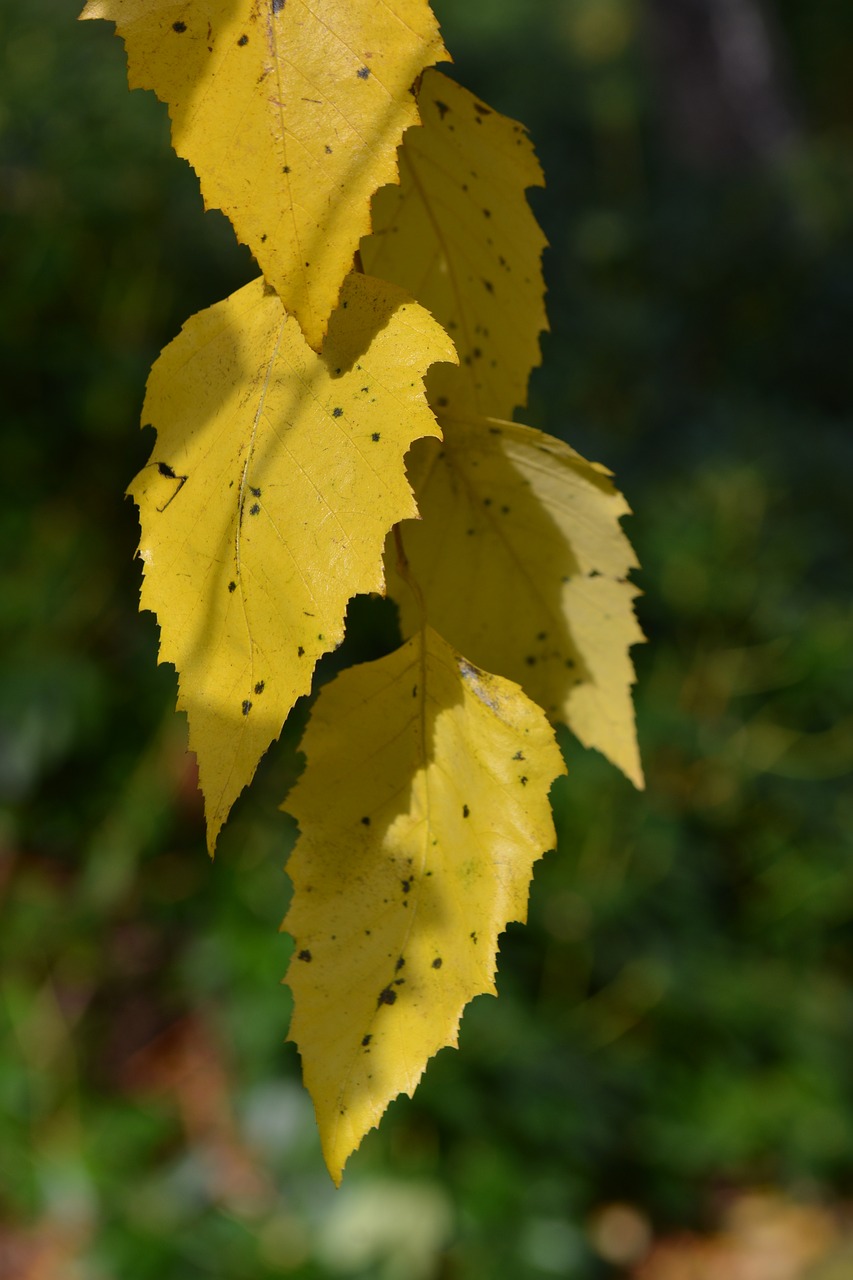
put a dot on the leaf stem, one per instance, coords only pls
(405, 572)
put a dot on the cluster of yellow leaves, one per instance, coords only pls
(396, 322)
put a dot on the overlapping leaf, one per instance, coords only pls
(458, 234)
(274, 480)
(523, 564)
(440, 776)
(290, 113)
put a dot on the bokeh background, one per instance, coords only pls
(665, 1081)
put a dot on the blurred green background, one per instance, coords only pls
(677, 1020)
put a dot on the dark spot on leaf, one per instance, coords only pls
(441, 402)
(300, 651)
(255, 492)
(180, 27)
(436, 964)
(414, 691)
(523, 781)
(247, 707)
(490, 288)
(254, 509)
(481, 110)
(505, 511)
(328, 150)
(473, 937)
(366, 1041)
(304, 955)
(519, 755)
(375, 437)
(277, 5)
(166, 470)
(337, 413)
(386, 996)
(232, 586)
(487, 213)
(243, 40)
(398, 966)
(259, 687)
(470, 532)
(363, 73)
(365, 822)
(443, 108)
(465, 811)
(264, 238)
(530, 660)
(570, 662)
(407, 884)
(399, 982)
(594, 573)
(542, 635)
(285, 168)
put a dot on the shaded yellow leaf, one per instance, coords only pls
(423, 806)
(274, 480)
(458, 234)
(523, 565)
(290, 113)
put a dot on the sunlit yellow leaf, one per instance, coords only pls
(290, 113)
(275, 477)
(458, 234)
(423, 806)
(523, 565)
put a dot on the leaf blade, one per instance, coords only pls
(523, 566)
(403, 885)
(290, 117)
(286, 474)
(458, 234)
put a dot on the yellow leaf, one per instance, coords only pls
(423, 806)
(458, 234)
(274, 480)
(523, 564)
(290, 113)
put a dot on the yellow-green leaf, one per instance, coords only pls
(523, 566)
(459, 235)
(274, 480)
(423, 806)
(290, 113)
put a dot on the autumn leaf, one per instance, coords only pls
(290, 114)
(458, 234)
(274, 480)
(440, 776)
(523, 567)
